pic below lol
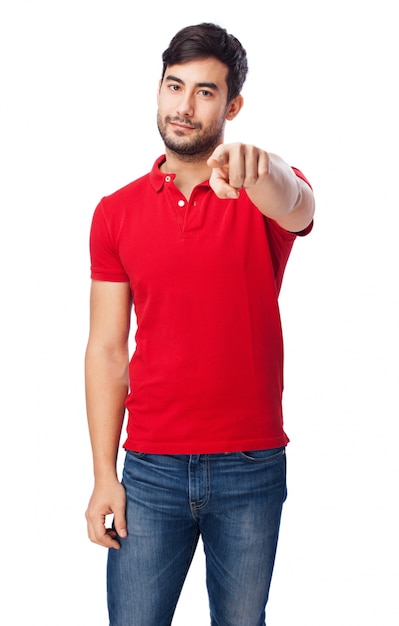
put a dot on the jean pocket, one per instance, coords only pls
(263, 456)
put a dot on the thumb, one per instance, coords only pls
(219, 179)
(120, 521)
(220, 184)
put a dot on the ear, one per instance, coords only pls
(234, 107)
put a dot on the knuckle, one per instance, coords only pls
(236, 180)
(250, 181)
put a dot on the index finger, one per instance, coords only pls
(219, 158)
(101, 535)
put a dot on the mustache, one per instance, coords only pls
(183, 120)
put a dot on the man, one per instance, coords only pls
(199, 247)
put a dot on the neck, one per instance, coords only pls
(188, 171)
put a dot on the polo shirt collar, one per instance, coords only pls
(158, 178)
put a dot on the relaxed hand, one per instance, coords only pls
(107, 499)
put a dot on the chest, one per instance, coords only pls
(196, 240)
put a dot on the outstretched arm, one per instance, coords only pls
(106, 375)
(269, 181)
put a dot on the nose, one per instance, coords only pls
(185, 106)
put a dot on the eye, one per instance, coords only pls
(174, 87)
(205, 93)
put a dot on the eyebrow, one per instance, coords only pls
(181, 82)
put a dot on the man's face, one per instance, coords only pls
(192, 107)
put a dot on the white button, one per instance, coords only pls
(167, 179)
(181, 203)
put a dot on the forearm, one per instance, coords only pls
(106, 376)
(270, 183)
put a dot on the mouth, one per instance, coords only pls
(182, 126)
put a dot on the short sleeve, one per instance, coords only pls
(105, 261)
(309, 228)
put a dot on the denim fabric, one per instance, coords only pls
(233, 501)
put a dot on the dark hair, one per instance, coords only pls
(209, 40)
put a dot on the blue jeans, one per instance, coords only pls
(233, 501)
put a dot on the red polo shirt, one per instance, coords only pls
(206, 375)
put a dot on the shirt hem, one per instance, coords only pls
(218, 447)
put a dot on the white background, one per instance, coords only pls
(77, 121)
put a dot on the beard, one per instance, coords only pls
(193, 148)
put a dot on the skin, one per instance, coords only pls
(192, 112)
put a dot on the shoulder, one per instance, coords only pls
(138, 189)
(127, 192)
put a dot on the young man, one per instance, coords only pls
(198, 246)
